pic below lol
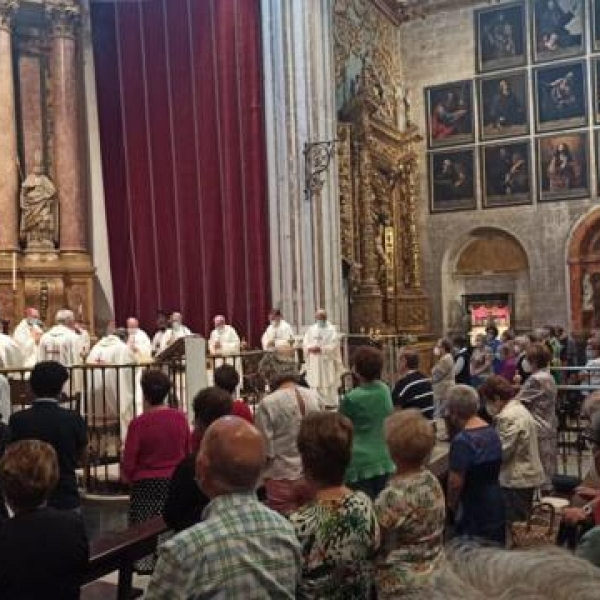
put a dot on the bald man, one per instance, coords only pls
(241, 549)
(138, 341)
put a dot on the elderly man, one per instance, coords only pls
(224, 340)
(176, 331)
(61, 343)
(323, 359)
(241, 549)
(138, 341)
(413, 389)
(278, 333)
(27, 336)
(111, 389)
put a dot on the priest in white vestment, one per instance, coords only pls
(111, 390)
(11, 356)
(224, 341)
(176, 331)
(323, 359)
(27, 336)
(162, 322)
(138, 341)
(278, 333)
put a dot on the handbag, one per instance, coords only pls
(540, 529)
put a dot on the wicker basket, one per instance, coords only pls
(540, 529)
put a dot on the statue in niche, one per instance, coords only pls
(39, 210)
(587, 293)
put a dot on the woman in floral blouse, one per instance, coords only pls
(338, 530)
(410, 510)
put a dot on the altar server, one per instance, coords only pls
(138, 341)
(27, 336)
(323, 359)
(111, 390)
(278, 333)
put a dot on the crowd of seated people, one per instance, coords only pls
(350, 507)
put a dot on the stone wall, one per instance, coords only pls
(439, 49)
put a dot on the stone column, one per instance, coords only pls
(68, 167)
(299, 84)
(9, 177)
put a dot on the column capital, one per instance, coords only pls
(64, 16)
(7, 11)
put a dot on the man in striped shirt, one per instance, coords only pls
(413, 389)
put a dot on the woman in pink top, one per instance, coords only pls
(156, 442)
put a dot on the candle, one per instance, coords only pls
(14, 271)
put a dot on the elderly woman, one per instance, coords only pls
(157, 441)
(278, 418)
(523, 368)
(474, 462)
(481, 361)
(410, 510)
(367, 406)
(521, 471)
(43, 551)
(338, 530)
(442, 374)
(538, 395)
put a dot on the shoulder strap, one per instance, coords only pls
(300, 401)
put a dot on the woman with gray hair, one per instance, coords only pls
(475, 458)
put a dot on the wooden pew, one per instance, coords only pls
(117, 552)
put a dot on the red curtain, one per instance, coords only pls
(183, 150)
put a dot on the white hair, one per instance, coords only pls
(462, 400)
(474, 572)
(64, 315)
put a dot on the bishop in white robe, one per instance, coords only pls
(279, 333)
(27, 336)
(323, 359)
(111, 390)
(138, 341)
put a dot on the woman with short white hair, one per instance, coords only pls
(475, 459)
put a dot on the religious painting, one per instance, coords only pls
(558, 29)
(560, 96)
(451, 180)
(503, 105)
(563, 166)
(501, 37)
(506, 174)
(450, 114)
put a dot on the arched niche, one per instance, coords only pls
(584, 272)
(487, 262)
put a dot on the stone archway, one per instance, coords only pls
(584, 273)
(487, 261)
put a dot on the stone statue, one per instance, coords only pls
(587, 293)
(39, 210)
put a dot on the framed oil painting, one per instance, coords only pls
(450, 114)
(506, 174)
(563, 166)
(500, 34)
(558, 29)
(504, 105)
(451, 180)
(560, 96)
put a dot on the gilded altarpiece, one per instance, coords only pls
(378, 175)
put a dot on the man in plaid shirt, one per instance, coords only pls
(241, 549)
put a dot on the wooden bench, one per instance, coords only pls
(117, 552)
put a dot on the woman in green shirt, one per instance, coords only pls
(367, 406)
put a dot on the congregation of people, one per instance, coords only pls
(308, 496)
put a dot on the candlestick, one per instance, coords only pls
(14, 271)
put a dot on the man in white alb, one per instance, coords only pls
(138, 341)
(111, 389)
(61, 343)
(224, 341)
(323, 359)
(27, 335)
(176, 331)
(278, 333)
(11, 356)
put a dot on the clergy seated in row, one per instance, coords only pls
(278, 333)
(111, 386)
(27, 336)
(323, 359)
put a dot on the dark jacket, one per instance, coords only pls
(43, 555)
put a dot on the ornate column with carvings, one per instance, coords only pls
(9, 178)
(65, 20)
(299, 109)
